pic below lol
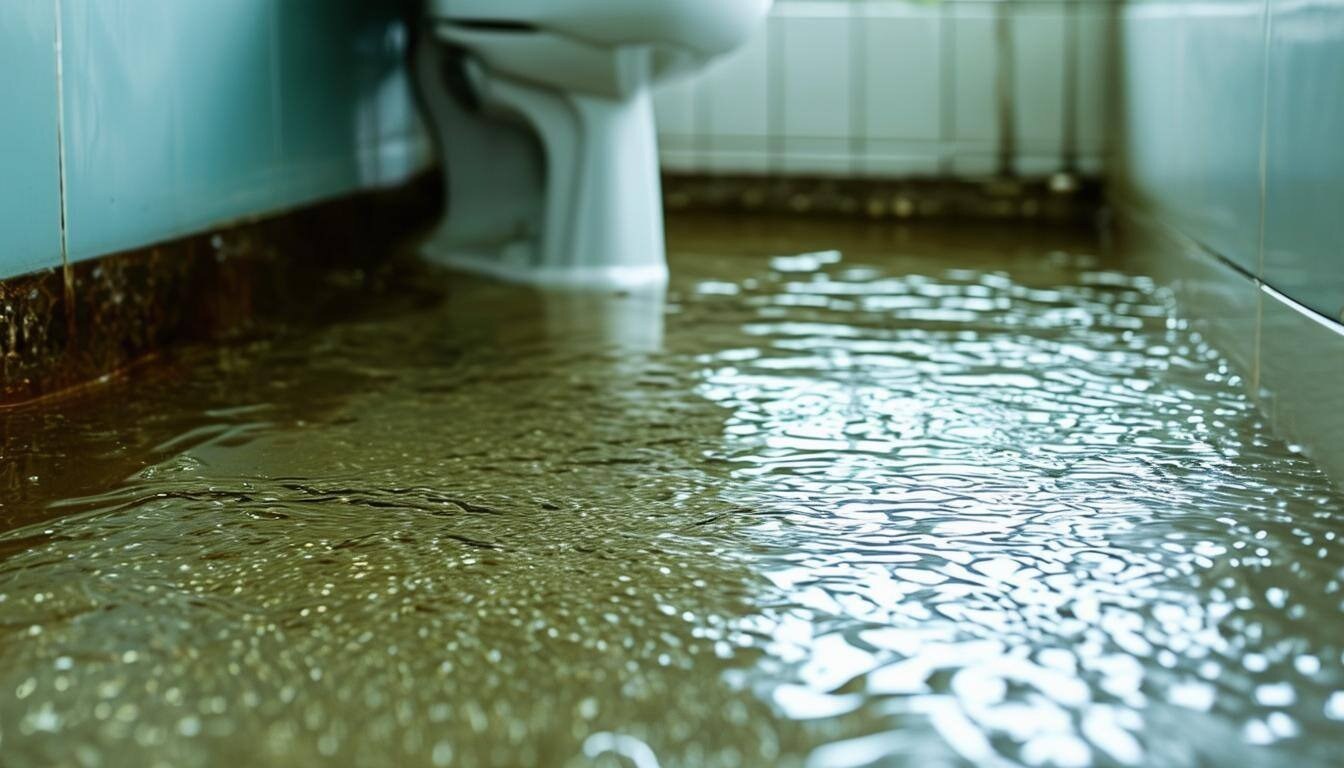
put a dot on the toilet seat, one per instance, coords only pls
(560, 62)
(707, 27)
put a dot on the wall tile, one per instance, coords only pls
(674, 103)
(329, 57)
(887, 88)
(1193, 119)
(1220, 124)
(974, 98)
(221, 114)
(1203, 95)
(816, 88)
(121, 144)
(976, 66)
(30, 220)
(167, 119)
(736, 93)
(1152, 147)
(1301, 368)
(1038, 87)
(181, 116)
(1304, 216)
(733, 110)
(1093, 94)
(902, 73)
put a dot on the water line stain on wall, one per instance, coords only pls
(78, 323)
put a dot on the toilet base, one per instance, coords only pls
(616, 277)
(546, 187)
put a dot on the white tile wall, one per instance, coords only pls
(902, 63)
(891, 88)
(1095, 38)
(675, 105)
(734, 110)
(815, 73)
(1038, 56)
(973, 90)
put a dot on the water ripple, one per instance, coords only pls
(891, 505)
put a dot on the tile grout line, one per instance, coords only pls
(858, 87)
(66, 270)
(1006, 89)
(1069, 97)
(775, 95)
(1267, 21)
(947, 90)
(277, 118)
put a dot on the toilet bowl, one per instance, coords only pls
(544, 118)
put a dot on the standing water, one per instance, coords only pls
(841, 498)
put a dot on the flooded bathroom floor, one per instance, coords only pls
(847, 496)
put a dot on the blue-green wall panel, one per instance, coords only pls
(1232, 116)
(225, 110)
(319, 50)
(180, 116)
(1223, 82)
(1304, 212)
(30, 219)
(330, 66)
(169, 123)
(1151, 71)
(1193, 83)
(122, 142)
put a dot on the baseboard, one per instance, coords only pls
(1061, 198)
(66, 328)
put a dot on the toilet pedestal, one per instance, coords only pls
(546, 186)
(544, 120)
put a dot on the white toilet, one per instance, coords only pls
(544, 117)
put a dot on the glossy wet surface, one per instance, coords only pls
(847, 497)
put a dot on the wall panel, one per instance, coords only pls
(30, 217)
(175, 117)
(1304, 213)
(897, 89)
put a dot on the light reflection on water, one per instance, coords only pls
(885, 506)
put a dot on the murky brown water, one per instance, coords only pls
(918, 498)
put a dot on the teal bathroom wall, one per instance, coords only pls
(1304, 183)
(174, 117)
(30, 201)
(1231, 119)
(1231, 159)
